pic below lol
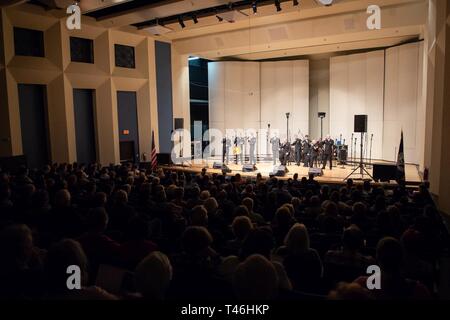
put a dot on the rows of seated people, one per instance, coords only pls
(143, 234)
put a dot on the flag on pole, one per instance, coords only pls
(401, 162)
(153, 160)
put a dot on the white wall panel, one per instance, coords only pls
(403, 106)
(356, 87)
(250, 95)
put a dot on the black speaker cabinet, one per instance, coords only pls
(163, 158)
(384, 172)
(179, 123)
(360, 123)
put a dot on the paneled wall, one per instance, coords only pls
(356, 87)
(60, 75)
(403, 107)
(251, 95)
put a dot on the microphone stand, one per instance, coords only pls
(351, 149)
(370, 152)
(354, 152)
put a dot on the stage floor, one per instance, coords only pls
(337, 175)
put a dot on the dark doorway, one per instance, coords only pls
(128, 126)
(83, 108)
(198, 92)
(34, 123)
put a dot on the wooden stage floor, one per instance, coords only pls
(336, 175)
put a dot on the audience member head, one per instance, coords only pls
(199, 216)
(153, 275)
(389, 255)
(241, 227)
(62, 254)
(352, 239)
(255, 279)
(62, 198)
(297, 239)
(16, 247)
(196, 241)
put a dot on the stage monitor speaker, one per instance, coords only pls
(384, 172)
(279, 171)
(248, 168)
(360, 123)
(221, 166)
(12, 164)
(217, 165)
(179, 123)
(163, 158)
(315, 171)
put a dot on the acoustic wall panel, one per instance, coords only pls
(356, 87)
(403, 106)
(251, 95)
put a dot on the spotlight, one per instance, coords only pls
(194, 18)
(295, 2)
(181, 22)
(219, 18)
(277, 5)
(255, 7)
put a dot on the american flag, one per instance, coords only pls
(153, 160)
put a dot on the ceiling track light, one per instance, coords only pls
(295, 3)
(254, 8)
(194, 18)
(277, 5)
(219, 18)
(181, 22)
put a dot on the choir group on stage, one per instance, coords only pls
(312, 153)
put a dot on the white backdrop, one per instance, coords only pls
(403, 105)
(356, 87)
(384, 84)
(253, 94)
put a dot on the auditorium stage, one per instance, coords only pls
(335, 176)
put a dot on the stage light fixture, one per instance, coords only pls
(255, 7)
(194, 18)
(181, 22)
(219, 18)
(295, 2)
(278, 5)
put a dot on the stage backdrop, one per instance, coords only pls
(404, 107)
(255, 94)
(383, 84)
(356, 87)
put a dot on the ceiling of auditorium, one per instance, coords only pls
(292, 30)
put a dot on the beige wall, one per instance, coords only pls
(319, 96)
(437, 84)
(61, 76)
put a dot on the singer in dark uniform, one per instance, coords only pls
(297, 150)
(306, 151)
(313, 153)
(328, 144)
(285, 150)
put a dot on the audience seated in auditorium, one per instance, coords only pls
(226, 236)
